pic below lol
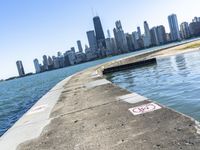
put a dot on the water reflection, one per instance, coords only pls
(174, 82)
(182, 65)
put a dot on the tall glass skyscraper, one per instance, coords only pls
(45, 62)
(174, 28)
(79, 46)
(20, 68)
(161, 34)
(37, 66)
(100, 37)
(120, 37)
(139, 32)
(92, 40)
(147, 41)
(185, 30)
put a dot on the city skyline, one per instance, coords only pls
(64, 45)
(101, 47)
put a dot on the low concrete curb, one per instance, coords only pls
(32, 123)
(92, 113)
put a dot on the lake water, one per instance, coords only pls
(174, 82)
(17, 96)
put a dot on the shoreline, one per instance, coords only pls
(34, 120)
(40, 108)
(104, 112)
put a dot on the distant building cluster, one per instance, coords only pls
(100, 47)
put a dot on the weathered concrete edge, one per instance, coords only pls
(98, 72)
(31, 124)
(123, 61)
(95, 79)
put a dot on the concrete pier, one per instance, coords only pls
(94, 114)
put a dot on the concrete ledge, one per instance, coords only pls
(93, 113)
(87, 112)
(31, 124)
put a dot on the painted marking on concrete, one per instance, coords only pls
(132, 98)
(97, 83)
(144, 108)
(37, 109)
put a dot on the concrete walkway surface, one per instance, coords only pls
(94, 114)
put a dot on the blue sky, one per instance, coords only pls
(32, 28)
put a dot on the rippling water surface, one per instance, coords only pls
(17, 96)
(174, 81)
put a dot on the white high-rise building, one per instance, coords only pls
(50, 61)
(154, 36)
(174, 27)
(185, 30)
(147, 35)
(139, 32)
(90, 54)
(120, 37)
(135, 39)
(196, 19)
(20, 68)
(108, 32)
(56, 62)
(45, 62)
(161, 34)
(37, 66)
(71, 55)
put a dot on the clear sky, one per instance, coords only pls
(31, 28)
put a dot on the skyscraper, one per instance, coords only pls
(174, 27)
(50, 61)
(196, 19)
(92, 40)
(79, 46)
(70, 57)
(120, 37)
(147, 41)
(135, 39)
(129, 42)
(109, 46)
(161, 34)
(185, 31)
(20, 68)
(56, 62)
(73, 50)
(45, 62)
(154, 36)
(100, 37)
(139, 33)
(37, 66)
(108, 32)
(59, 54)
(195, 28)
